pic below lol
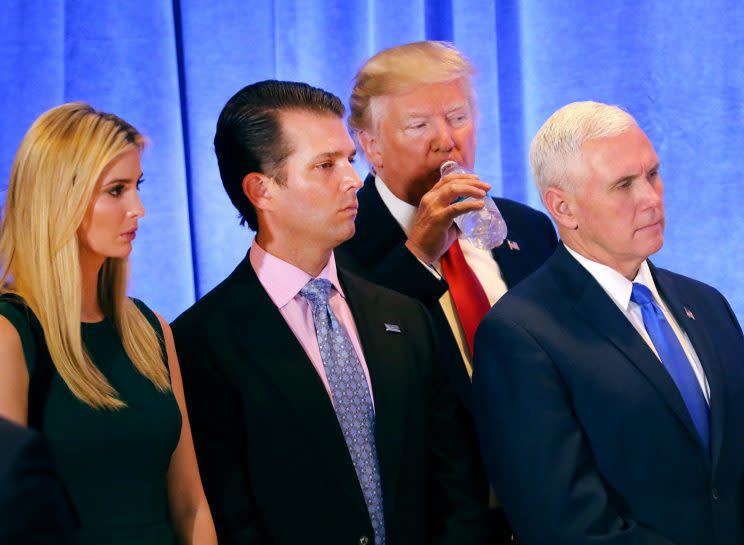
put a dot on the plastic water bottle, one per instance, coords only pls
(484, 228)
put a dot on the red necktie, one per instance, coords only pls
(470, 298)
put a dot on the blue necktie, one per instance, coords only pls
(351, 399)
(675, 360)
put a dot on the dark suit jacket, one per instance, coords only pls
(377, 252)
(584, 434)
(273, 459)
(33, 504)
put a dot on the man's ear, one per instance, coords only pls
(257, 187)
(560, 205)
(371, 146)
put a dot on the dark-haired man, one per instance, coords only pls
(317, 407)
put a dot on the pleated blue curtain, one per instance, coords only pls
(168, 66)
(120, 57)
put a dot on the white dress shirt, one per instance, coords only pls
(480, 261)
(620, 288)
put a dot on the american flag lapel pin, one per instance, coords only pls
(689, 313)
(512, 245)
(392, 328)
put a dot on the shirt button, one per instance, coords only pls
(364, 540)
(714, 494)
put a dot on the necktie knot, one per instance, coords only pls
(641, 295)
(317, 291)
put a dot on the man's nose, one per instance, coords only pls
(653, 192)
(443, 140)
(351, 180)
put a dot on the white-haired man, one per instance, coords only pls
(413, 108)
(605, 389)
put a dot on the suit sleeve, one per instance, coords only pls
(33, 501)
(459, 497)
(215, 414)
(535, 451)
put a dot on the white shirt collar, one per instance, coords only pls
(615, 284)
(403, 212)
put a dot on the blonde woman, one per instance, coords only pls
(94, 370)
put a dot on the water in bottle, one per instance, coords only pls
(484, 228)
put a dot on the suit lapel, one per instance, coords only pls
(601, 313)
(388, 375)
(269, 344)
(705, 349)
(381, 230)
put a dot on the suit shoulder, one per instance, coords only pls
(694, 290)
(518, 210)
(206, 305)
(538, 295)
(516, 206)
(187, 316)
(527, 223)
(684, 281)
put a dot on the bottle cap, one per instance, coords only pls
(448, 167)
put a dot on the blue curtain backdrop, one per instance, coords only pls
(168, 66)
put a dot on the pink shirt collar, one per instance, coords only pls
(283, 281)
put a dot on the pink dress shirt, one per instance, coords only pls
(283, 282)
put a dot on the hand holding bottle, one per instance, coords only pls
(485, 228)
(433, 230)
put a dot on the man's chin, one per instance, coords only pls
(345, 234)
(654, 246)
(658, 246)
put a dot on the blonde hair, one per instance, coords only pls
(556, 147)
(399, 69)
(55, 174)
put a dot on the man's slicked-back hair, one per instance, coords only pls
(556, 148)
(249, 134)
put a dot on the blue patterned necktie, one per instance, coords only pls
(351, 398)
(675, 360)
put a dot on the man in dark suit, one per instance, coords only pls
(34, 508)
(413, 108)
(316, 402)
(607, 391)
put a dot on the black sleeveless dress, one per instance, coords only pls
(114, 463)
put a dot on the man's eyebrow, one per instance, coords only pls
(459, 106)
(417, 113)
(333, 155)
(624, 179)
(631, 177)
